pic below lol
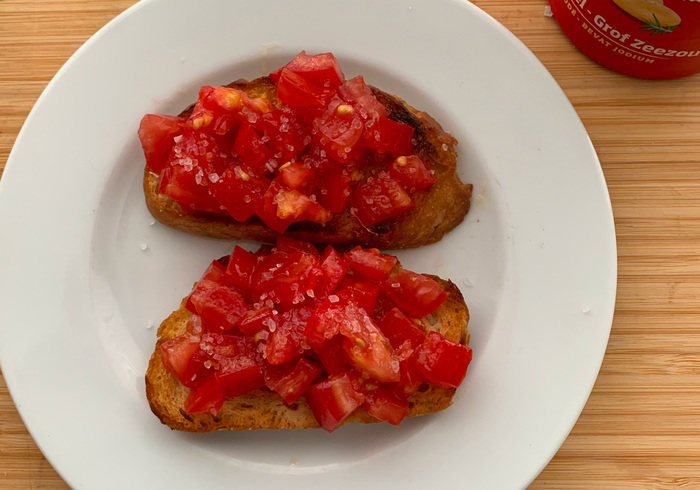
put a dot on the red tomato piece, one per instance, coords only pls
(386, 406)
(387, 136)
(284, 343)
(334, 188)
(180, 185)
(239, 192)
(383, 305)
(250, 147)
(368, 350)
(296, 175)
(411, 172)
(442, 361)
(399, 329)
(414, 293)
(334, 269)
(284, 244)
(334, 399)
(321, 69)
(178, 355)
(296, 90)
(256, 320)
(378, 199)
(290, 384)
(213, 276)
(371, 263)
(240, 269)
(194, 162)
(156, 133)
(331, 354)
(285, 133)
(285, 277)
(238, 375)
(338, 130)
(205, 397)
(364, 291)
(328, 317)
(356, 93)
(281, 206)
(220, 307)
(221, 109)
(411, 377)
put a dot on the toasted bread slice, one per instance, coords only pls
(264, 409)
(438, 210)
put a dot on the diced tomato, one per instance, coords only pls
(220, 109)
(194, 162)
(284, 244)
(239, 374)
(388, 136)
(293, 383)
(356, 93)
(338, 130)
(365, 346)
(215, 109)
(180, 184)
(213, 276)
(240, 268)
(220, 307)
(285, 277)
(328, 317)
(205, 397)
(411, 172)
(297, 176)
(239, 192)
(284, 344)
(334, 399)
(385, 405)
(256, 320)
(321, 69)
(364, 290)
(411, 377)
(414, 293)
(442, 361)
(156, 133)
(296, 90)
(399, 329)
(334, 188)
(285, 133)
(383, 305)
(368, 350)
(332, 356)
(371, 263)
(178, 358)
(334, 270)
(250, 147)
(281, 206)
(378, 199)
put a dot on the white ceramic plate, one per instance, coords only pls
(86, 275)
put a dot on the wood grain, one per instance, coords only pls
(641, 426)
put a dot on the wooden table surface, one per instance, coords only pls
(641, 425)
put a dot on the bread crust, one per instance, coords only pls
(438, 209)
(264, 409)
